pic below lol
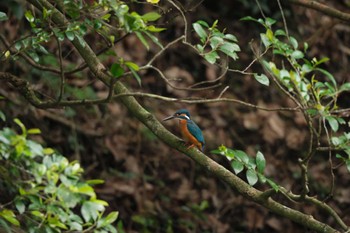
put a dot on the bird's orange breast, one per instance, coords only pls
(187, 135)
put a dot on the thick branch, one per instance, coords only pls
(322, 8)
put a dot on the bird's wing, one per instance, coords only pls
(195, 131)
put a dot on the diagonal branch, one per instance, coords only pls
(322, 8)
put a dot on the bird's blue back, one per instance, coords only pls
(195, 131)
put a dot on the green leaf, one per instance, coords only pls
(142, 39)
(237, 166)
(269, 22)
(297, 54)
(29, 16)
(241, 156)
(251, 177)
(200, 31)
(132, 65)
(293, 42)
(345, 87)
(136, 76)
(328, 75)
(211, 57)
(262, 78)
(21, 125)
(70, 35)
(230, 37)
(273, 185)
(3, 16)
(203, 23)
(111, 217)
(94, 182)
(154, 39)
(34, 131)
(87, 190)
(265, 40)
(9, 216)
(333, 123)
(150, 16)
(152, 28)
(90, 210)
(2, 116)
(249, 18)
(260, 162)
(116, 70)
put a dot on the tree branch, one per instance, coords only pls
(322, 8)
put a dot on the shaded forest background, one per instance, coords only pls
(157, 189)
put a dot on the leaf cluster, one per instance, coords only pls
(253, 167)
(214, 42)
(46, 192)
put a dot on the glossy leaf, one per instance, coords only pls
(3, 16)
(211, 57)
(111, 217)
(251, 177)
(151, 16)
(198, 28)
(9, 216)
(260, 162)
(237, 166)
(142, 39)
(262, 78)
(116, 70)
(333, 123)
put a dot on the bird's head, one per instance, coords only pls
(183, 114)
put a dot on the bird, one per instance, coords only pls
(189, 130)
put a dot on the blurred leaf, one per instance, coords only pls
(333, 123)
(2, 116)
(142, 39)
(151, 16)
(200, 31)
(34, 131)
(21, 125)
(136, 76)
(211, 57)
(237, 166)
(29, 16)
(345, 87)
(153, 1)
(260, 162)
(154, 39)
(9, 216)
(293, 42)
(297, 54)
(251, 177)
(273, 185)
(132, 65)
(3, 16)
(262, 78)
(111, 217)
(70, 35)
(116, 70)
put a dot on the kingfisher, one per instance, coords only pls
(189, 130)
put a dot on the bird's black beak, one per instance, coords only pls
(168, 118)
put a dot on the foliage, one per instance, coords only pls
(214, 41)
(253, 167)
(314, 88)
(44, 191)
